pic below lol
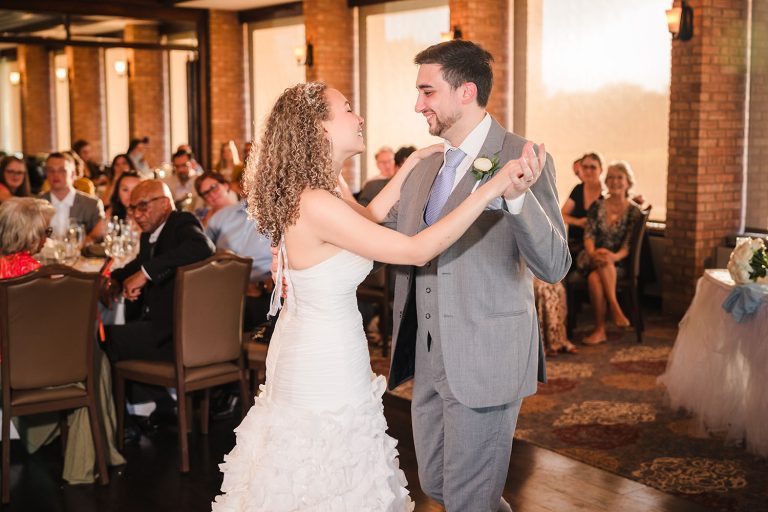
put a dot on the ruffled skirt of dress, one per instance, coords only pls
(288, 459)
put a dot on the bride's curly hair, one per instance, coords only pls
(294, 154)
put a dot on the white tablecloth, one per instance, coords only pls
(718, 368)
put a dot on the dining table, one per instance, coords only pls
(718, 367)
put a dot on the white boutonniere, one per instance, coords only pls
(484, 166)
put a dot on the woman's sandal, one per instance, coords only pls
(570, 348)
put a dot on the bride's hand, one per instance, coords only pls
(343, 188)
(419, 155)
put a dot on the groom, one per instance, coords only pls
(465, 324)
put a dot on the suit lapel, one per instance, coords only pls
(492, 146)
(416, 213)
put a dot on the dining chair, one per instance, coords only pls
(47, 322)
(376, 289)
(209, 298)
(627, 287)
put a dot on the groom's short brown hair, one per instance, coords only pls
(462, 61)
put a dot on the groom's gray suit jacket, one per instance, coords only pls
(481, 287)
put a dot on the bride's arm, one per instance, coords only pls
(379, 207)
(333, 222)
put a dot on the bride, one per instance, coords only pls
(315, 439)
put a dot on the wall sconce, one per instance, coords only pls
(455, 33)
(680, 22)
(61, 74)
(121, 67)
(304, 55)
(14, 77)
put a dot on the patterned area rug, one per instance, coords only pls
(603, 407)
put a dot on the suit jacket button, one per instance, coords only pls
(401, 314)
(429, 264)
(429, 290)
(427, 316)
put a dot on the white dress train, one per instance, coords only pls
(315, 439)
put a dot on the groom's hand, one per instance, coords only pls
(525, 171)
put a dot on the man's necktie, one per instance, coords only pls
(443, 185)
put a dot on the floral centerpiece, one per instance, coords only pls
(749, 262)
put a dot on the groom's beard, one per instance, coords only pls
(441, 126)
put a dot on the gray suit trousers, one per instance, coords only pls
(462, 453)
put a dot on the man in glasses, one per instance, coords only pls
(169, 239)
(181, 182)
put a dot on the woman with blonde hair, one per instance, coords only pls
(603, 260)
(229, 164)
(315, 438)
(24, 227)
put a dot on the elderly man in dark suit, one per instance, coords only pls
(170, 239)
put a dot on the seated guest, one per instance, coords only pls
(385, 161)
(229, 164)
(181, 182)
(82, 182)
(552, 310)
(215, 191)
(24, 227)
(120, 164)
(93, 170)
(588, 169)
(71, 203)
(610, 222)
(170, 239)
(231, 229)
(14, 179)
(196, 167)
(121, 195)
(136, 150)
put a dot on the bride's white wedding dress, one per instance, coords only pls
(315, 439)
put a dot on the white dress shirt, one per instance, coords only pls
(60, 220)
(471, 147)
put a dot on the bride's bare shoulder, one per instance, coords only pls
(317, 198)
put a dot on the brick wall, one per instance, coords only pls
(706, 129)
(228, 108)
(487, 24)
(37, 100)
(147, 102)
(757, 176)
(87, 103)
(329, 27)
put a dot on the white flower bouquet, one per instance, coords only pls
(749, 262)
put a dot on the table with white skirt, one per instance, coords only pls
(718, 368)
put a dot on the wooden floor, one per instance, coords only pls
(538, 481)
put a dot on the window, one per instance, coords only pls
(10, 108)
(116, 86)
(598, 77)
(274, 65)
(756, 183)
(392, 34)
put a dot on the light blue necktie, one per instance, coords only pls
(443, 185)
